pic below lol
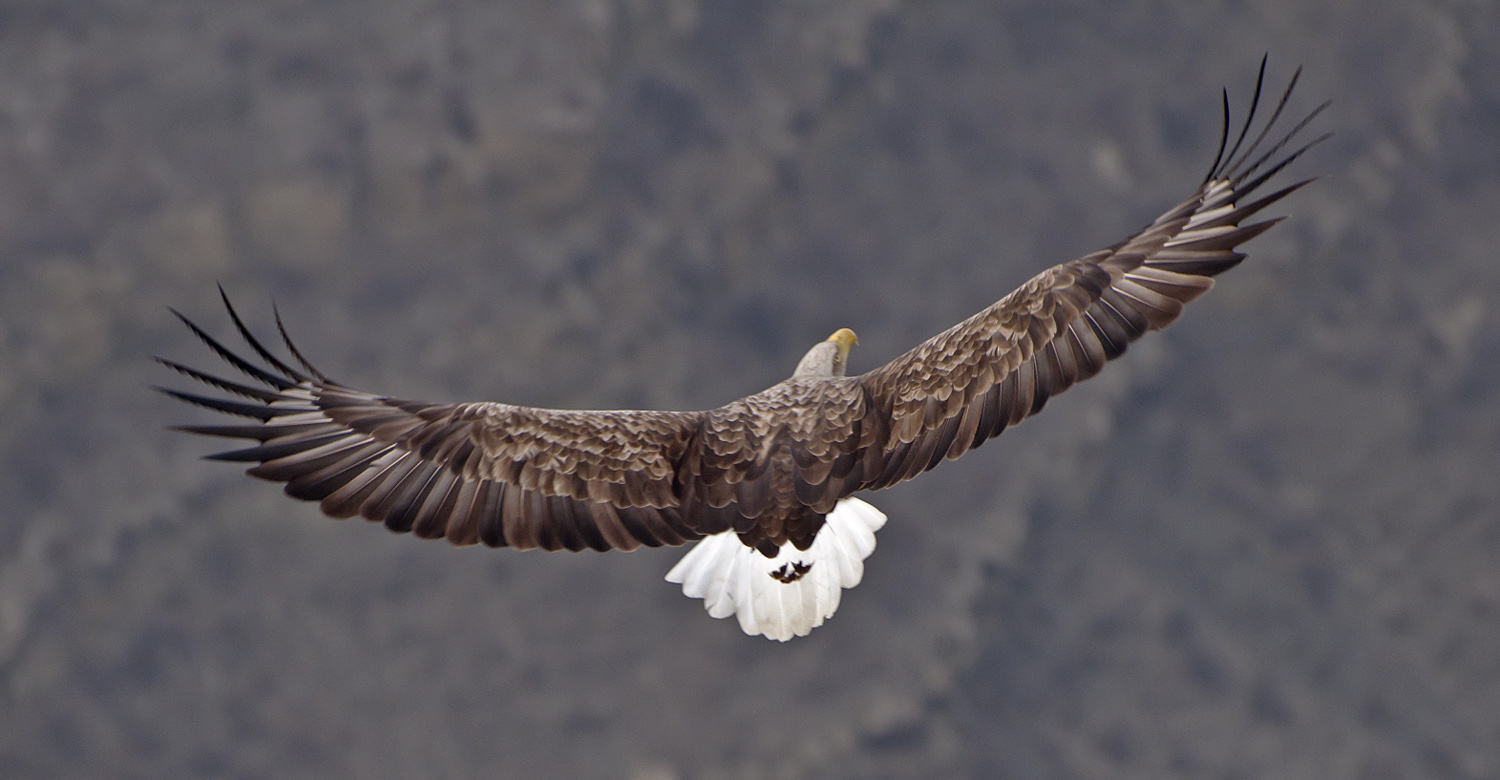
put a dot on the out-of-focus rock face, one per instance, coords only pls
(1262, 545)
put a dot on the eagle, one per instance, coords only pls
(764, 487)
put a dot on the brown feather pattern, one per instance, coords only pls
(769, 466)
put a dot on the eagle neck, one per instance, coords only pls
(820, 361)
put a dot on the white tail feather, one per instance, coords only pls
(733, 579)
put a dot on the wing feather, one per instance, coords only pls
(318, 485)
(493, 473)
(967, 384)
(430, 520)
(462, 526)
(491, 514)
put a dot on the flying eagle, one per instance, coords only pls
(764, 485)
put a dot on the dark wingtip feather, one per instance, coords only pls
(255, 344)
(267, 452)
(1275, 169)
(1230, 171)
(1249, 209)
(257, 432)
(223, 384)
(257, 411)
(1223, 139)
(296, 353)
(232, 359)
(1260, 81)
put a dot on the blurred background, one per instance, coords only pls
(1262, 545)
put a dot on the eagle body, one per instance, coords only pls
(765, 485)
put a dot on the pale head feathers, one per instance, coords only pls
(828, 358)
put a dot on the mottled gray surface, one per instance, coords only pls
(1264, 545)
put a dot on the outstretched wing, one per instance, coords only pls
(1000, 366)
(768, 466)
(493, 473)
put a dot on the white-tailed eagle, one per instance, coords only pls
(765, 485)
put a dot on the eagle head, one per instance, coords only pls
(828, 358)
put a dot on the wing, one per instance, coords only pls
(1000, 366)
(493, 473)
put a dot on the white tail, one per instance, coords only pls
(733, 579)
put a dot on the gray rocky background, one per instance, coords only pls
(1262, 545)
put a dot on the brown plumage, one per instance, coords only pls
(770, 466)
